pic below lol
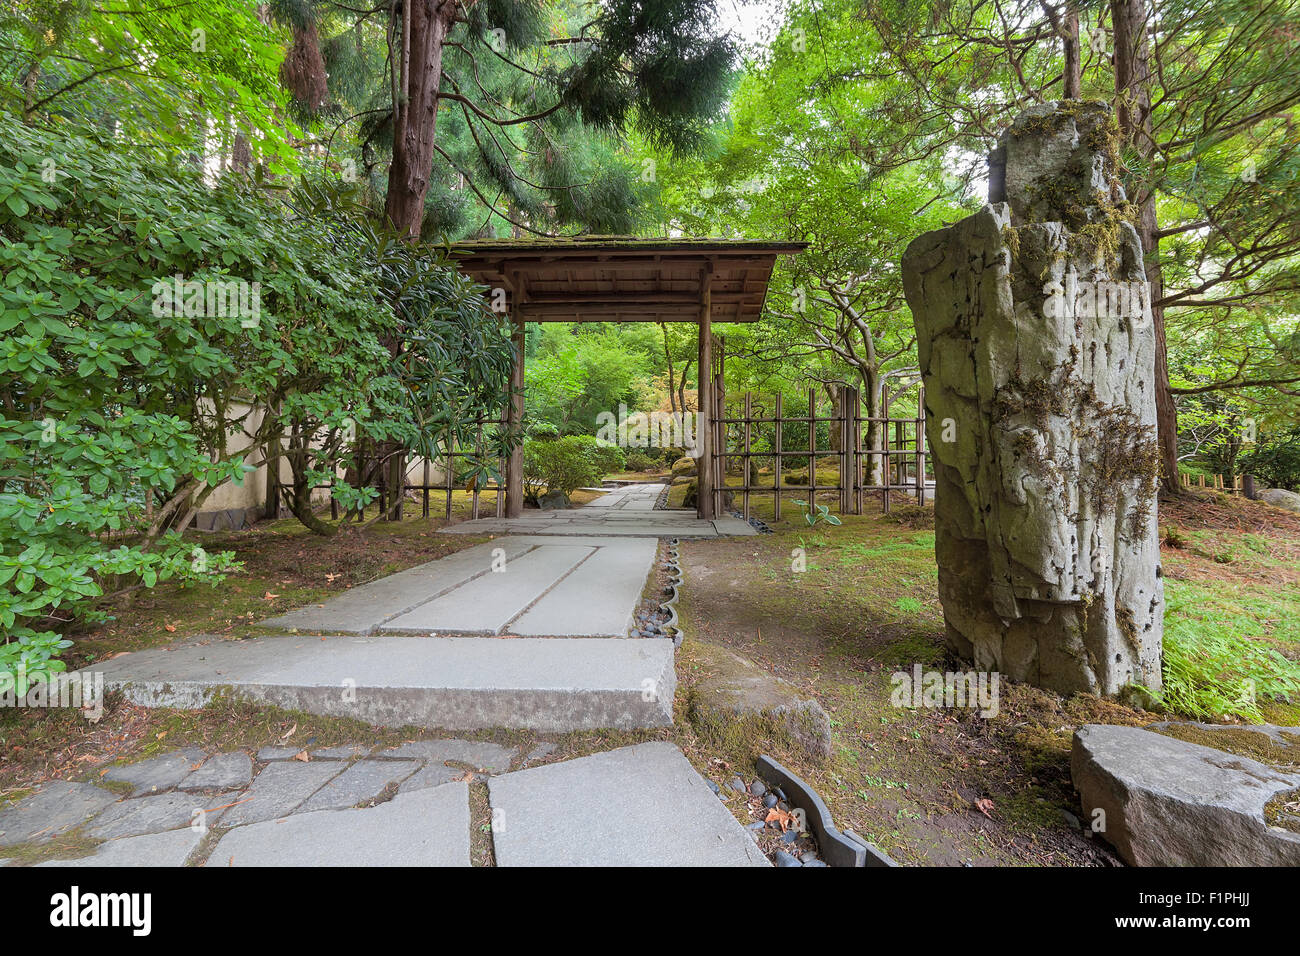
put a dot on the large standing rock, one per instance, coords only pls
(1036, 345)
(1170, 802)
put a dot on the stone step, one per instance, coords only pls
(457, 683)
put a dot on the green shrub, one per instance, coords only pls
(639, 461)
(141, 307)
(564, 464)
(603, 455)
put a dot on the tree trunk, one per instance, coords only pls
(1072, 78)
(668, 357)
(425, 24)
(1133, 109)
(871, 392)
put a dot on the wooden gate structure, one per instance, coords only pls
(701, 281)
(604, 279)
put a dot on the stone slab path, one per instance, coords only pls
(527, 585)
(623, 512)
(457, 683)
(636, 806)
(398, 806)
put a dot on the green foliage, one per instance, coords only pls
(814, 513)
(605, 456)
(573, 374)
(640, 461)
(1212, 668)
(1275, 461)
(149, 71)
(120, 398)
(564, 464)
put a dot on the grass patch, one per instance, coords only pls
(1215, 664)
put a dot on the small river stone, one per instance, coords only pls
(785, 859)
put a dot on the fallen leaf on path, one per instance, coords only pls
(984, 805)
(303, 756)
(780, 816)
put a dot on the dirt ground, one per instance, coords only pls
(945, 787)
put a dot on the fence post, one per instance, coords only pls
(450, 476)
(920, 444)
(776, 508)
(424, 511)
(744, 461)
(845, 449)
(857, 452)
(885, 463)
(812, 448)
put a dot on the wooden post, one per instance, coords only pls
(884, 450)
(450, 477)
(920, 444)
(719, 410)
(776, 508)
(515, 419)
(846, 482)
(704, 422)
(424, 511)
(812, 449)
(744, 461)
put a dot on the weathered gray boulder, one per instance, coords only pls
(1036, 345)
(1281, 498)
(1170, 802)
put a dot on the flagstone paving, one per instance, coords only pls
(642, 805)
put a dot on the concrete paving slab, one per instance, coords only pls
(56, 808)
(362, 781)
(457, 683)
(280, 789)
(360, 610)
(425, 828)
(171, 848)
(598, 599)
(636, 806)
(488, 603)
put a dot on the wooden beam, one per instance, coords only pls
(704, 419)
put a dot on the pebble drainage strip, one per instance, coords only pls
(656, 618)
